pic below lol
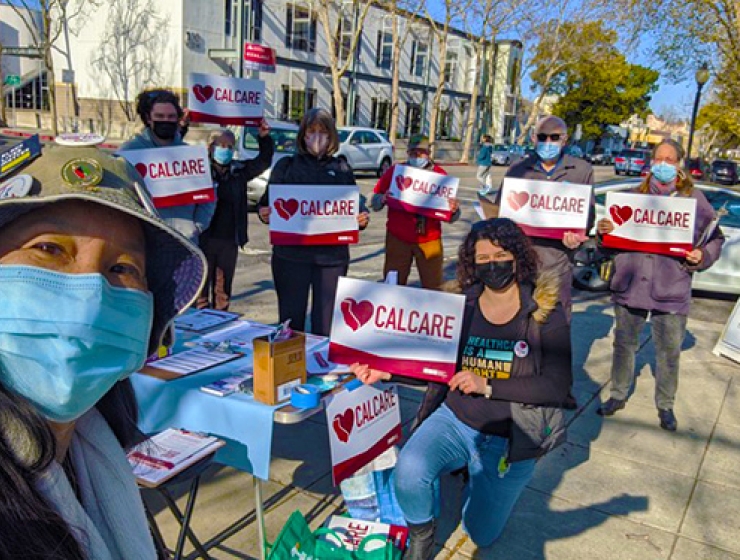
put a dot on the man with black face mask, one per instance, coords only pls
(161, 113)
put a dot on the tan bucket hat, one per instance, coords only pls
(176, 268)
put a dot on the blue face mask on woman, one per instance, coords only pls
(223, 156)
(66, 339)
(664, 172)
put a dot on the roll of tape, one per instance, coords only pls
(305, 396)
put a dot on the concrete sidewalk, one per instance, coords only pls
(621, 488)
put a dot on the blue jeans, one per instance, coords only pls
(443, 444)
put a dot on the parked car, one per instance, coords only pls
(600, 157)
(631, 162)
(501, 154)
(364, 149)
(725, 172)
(722, 277)
(284, 135)
(696, 168)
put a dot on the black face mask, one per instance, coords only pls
(165, 130)
(496, 275)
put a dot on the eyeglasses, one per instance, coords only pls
(542, 137)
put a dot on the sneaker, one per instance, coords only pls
(485, 191)
(667, 420)
(610, 407)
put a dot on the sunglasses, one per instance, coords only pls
(542, 137)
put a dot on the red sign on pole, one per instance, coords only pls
(259, 57)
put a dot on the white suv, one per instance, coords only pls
(365, 149)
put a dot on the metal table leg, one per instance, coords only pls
(260, 514)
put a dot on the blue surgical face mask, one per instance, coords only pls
(66, 339)
(420, 162)
(223, 156)
(664, 172)
(548, 151)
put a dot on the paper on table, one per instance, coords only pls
(191, 361)
(204, 319)
(239, 334)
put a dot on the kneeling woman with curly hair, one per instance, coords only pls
(515, 348)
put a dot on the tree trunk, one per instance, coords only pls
(395, 79)
(473, 109)
(51, 81)
(437, 95)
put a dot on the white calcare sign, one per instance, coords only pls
(647, 223)
(546, 208)
(364, 421)
(314, 214)
(174, 176)
(396, 329)
(422, 192)
(225, 100)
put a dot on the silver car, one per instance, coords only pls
(365, 149)
(501, 154)
(284, 135)
(722, 277)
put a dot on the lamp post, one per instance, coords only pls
(702, 77)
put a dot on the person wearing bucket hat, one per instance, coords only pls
(92, 278)
(413, 237)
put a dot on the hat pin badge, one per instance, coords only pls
(16, 187)
(79, 139)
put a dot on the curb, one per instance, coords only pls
(47, 137)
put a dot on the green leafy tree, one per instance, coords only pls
(596, 95)
(719, 126)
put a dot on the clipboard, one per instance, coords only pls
(188, 362)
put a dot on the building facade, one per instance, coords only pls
(115, 54)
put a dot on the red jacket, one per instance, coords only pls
(404, 225)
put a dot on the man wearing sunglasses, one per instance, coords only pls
(550, 163)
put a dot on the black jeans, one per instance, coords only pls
(293, 283)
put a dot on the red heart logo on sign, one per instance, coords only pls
(356, 314)
(620, 214)
(343, 424)
(403, 183)
(517, 200)
(202, 93)
(141, 168)
(286, 208)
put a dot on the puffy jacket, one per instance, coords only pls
(663, 283)
(190, 219)
(528, 383)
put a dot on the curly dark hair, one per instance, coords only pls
(146, 100)
(506, 234)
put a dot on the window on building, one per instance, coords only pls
(444, 123)
(464, 114)
(344, 40)
(419, 57)
(413, 119)
(450, 64)
(384, 53)
(380, 114)
(252, 20)
(296, 102)
(300, 28)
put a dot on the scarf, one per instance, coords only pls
(108, 520)
(665, 189)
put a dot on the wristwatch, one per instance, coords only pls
(488, 393)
